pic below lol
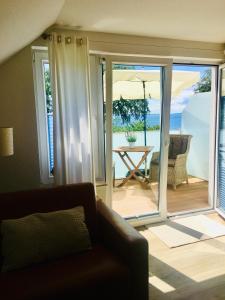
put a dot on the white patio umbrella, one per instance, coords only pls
(128, 84)
(145, 84)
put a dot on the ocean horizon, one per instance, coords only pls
(153, 120)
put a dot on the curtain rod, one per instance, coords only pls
(46, 36)
(68, 39)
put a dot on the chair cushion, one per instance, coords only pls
(97, 272)
(43, 236)
(178, 145)
(171, 162)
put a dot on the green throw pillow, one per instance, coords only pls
(42, 237)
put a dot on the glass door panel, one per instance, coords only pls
(136, 138)
(221, 146)
(191, 123)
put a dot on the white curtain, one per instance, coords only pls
(69, 63)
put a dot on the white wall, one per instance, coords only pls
(17, 110)
(196, 121)
(191, 51)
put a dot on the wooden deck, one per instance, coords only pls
(135, 198)
(190, 272)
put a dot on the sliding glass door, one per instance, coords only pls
(192, 139)
(141, 117)
(137, 117)
(137, 113)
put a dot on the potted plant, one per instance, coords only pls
(131, 138)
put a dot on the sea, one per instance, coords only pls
(153, 120)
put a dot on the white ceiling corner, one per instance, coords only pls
(23, 21)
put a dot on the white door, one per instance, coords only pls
(157, 91)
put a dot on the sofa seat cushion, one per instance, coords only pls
(95, 273)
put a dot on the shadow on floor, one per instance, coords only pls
(168, 283)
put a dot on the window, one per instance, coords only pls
(44, 114)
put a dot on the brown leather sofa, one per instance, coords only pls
(115, 268)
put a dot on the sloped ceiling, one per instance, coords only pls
(197, 20)
(21, 21)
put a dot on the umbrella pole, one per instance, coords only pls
(145, 138)
(143, 82)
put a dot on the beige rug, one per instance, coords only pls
(175, 233)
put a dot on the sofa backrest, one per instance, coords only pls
(19, 204)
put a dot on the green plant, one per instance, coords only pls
(155, 127)
(131, 137)
(204, 85)
(130, 108)
(48, 91)
(136, 126)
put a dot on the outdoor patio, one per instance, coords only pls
(136, 198)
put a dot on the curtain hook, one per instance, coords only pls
(46, 36)
(68, 40)
(80, 41)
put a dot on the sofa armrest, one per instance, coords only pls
(129, 244)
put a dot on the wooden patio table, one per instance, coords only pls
(123, 153)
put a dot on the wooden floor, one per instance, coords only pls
(191, 272)
(136, 198)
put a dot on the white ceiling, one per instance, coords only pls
(198, 20)
(21, 21)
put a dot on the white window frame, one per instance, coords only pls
(217, 199)
(39, 58)
(97, 118)
(161, 214)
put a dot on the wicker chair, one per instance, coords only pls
(178, 152)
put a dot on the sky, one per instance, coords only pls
(196, 68)
(177, 104)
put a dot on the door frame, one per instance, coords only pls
(166, 83)
(217, 200)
